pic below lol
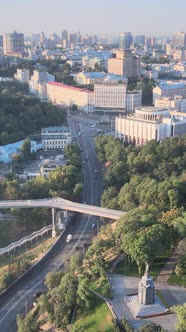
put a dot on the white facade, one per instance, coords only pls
(22, 75)
(62, 94)
(56, 137)
(148, 123)
(110, 95)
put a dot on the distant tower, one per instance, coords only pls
(125, 41)
(179, 40)
(13, 43)
(42, 39)
(64, 39)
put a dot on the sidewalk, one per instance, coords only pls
(169, 267)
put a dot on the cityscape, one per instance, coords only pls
(92, 167)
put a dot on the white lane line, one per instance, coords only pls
(22, 297)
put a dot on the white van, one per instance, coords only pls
(69, 238)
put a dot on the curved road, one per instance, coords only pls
(21, 299)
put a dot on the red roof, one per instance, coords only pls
(61, 85)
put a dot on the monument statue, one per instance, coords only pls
(146, 288)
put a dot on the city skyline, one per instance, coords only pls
(106, 17)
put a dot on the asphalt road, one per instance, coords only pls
(21, 300)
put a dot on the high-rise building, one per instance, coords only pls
(140, 39)
(13, 43)
(179, 40)
(125, 64)
(1, 40)
(125, 41)
(64, 39)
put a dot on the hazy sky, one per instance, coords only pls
(93, 16)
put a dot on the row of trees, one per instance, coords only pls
(22, 115)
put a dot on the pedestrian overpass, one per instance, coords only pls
(63, 204)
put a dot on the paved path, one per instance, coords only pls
(169, 267)
(174, 295)
(125, 285)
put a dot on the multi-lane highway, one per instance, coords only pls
(21, 299)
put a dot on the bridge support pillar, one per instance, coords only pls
(65, 213)
(53, 224)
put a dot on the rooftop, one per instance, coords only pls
(55, 129)
(94, 74)
(64, 86)
(172, 85)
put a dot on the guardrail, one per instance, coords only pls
(25, 240)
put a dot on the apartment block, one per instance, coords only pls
(13, 43)
(66, 95)
(124, 64)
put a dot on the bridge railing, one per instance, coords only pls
(14, 245)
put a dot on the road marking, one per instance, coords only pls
(22, 297)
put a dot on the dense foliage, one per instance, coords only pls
(149, 183)
(146, 85)
(18, 109)
(143, 176)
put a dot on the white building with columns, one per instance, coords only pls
(149, 123)
(56, 137)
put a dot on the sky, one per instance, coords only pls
(109, 17)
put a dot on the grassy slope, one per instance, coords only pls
(99, 319)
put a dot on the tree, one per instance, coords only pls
(74, 108)
(28, 324)
(26, 149)
(181, 314)
(151, 327)
(63, 300)
(53, 279)
(83, 293)
(179, 270)
(72, 265)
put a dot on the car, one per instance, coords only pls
(69, 238)
(93, 225)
